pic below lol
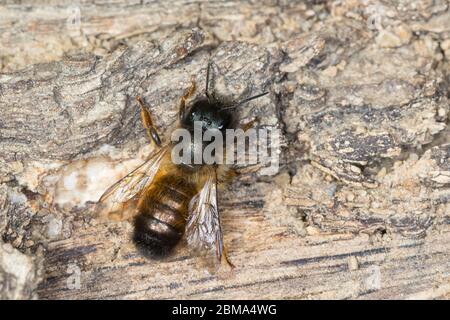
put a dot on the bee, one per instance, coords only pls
(168, 200)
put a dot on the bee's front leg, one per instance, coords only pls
(227, 259)
(148, 123)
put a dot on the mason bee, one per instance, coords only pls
(169, 200)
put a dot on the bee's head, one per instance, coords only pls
(211, 115)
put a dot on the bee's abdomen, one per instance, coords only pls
(161, 221)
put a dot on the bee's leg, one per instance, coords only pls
(208, 68)
(225, 255)
(249, 124)
(225, 174)
(189, 92)
(235, 170)
(148, 123)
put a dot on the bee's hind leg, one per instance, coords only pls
(148, 123)
(227, 259)
(249, 124)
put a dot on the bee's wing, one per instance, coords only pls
(203, 230)
(127, 189)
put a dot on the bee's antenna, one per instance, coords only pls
(207, 80)
(246, 100)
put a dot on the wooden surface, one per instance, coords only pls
(359, 209)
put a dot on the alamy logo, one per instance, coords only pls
(234, 146)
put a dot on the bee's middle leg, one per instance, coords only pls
(189, 92)
(148, 123)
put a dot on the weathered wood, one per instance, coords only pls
(360, 207)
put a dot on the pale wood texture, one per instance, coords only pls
(359, 209)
